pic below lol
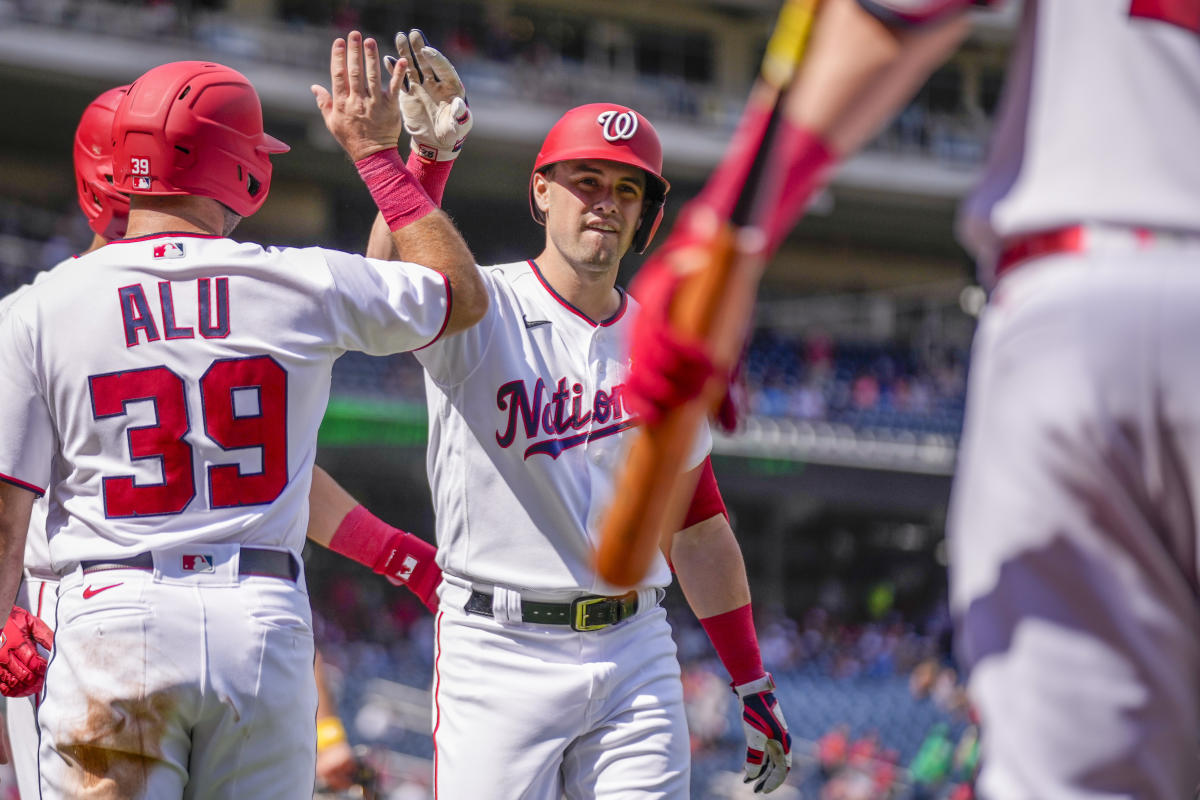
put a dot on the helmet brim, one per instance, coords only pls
(270, 144)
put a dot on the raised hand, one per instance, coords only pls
(360, 110)
(432, 98)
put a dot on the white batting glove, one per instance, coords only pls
(433, 101)
(768, 743)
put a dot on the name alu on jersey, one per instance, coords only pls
(546, 422)
(137, 315)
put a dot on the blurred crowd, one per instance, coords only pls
(548, 56)
(865, 385)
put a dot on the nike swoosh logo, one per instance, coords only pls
(89, 592)
(530, 324)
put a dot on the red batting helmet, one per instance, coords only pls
(106, 209)
(194, 127)
(609, 132)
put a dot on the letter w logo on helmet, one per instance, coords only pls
(617, 125)
(609, 132)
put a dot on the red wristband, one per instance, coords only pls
(404, 559)
(801, 156)
(396, 192)
(706, 500)
(432, 175)
(807, 159)
(732, 635)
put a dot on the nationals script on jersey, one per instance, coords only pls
(527, 429)
(187, 376)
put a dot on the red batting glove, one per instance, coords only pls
(402, 558)
(768, 743)
(22, 668)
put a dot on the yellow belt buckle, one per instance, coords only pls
(581, 607)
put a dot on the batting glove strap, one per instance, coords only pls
(408, 560)
(768, 742)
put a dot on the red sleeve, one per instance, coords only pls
(908, 13)
(707, 501)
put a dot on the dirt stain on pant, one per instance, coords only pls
(114, 750)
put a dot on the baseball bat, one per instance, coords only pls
(714, 304)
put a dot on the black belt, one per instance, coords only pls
(252, 561)
(588, 613)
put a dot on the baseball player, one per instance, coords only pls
(176, 422)
(1072, 528)
(107, 212)
(549, 683)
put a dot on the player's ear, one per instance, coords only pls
(541, 191)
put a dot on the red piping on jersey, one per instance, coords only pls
(167, 235)
(437, 711)
(22, 484)
(446, 321)
(603, 323)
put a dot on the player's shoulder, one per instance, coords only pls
(509, 272)
(41, 281)
(501, 279)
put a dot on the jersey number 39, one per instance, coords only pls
(231, 428)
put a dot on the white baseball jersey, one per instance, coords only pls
(1089, 84)
(527, 429)
(169, 388)
(38, 595)
(1098, 123)
(37, 549)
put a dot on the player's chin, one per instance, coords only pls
(601, 252)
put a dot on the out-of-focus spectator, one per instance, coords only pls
(706, 702)
(920, 681)
(931, 766)
(833, 750)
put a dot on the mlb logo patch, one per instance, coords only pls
(168, 250)
(198, 563)
(141, 182)
(406, 568)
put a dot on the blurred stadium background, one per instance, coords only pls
(855, 376)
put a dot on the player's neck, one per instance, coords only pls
(592, 291)
(185, 214)
(98, 241)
